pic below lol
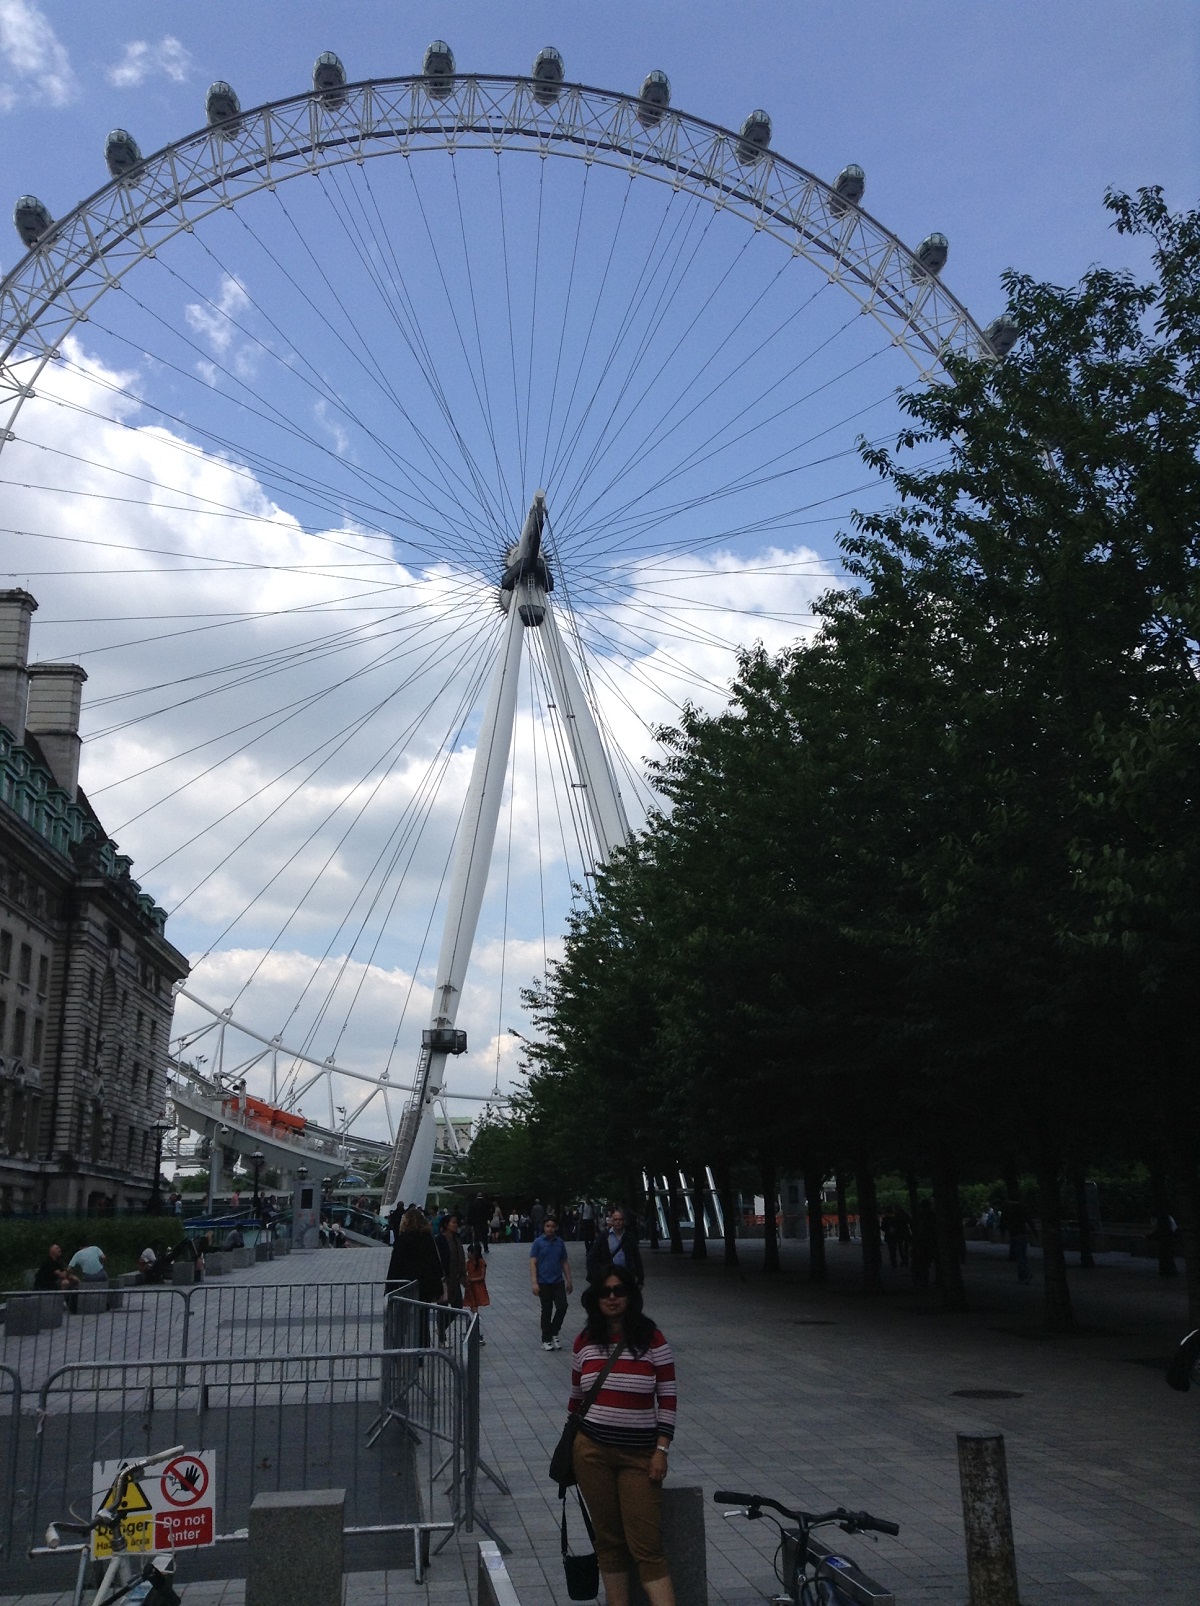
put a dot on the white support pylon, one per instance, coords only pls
(524, 589)
(592, 763)
(525, 584)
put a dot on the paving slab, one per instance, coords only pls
(823, 1396)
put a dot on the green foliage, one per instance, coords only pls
(927, 893)
(23, 1243)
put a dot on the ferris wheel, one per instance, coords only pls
(520, 385)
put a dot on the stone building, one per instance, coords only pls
(86, 972)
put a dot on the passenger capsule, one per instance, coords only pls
(32, 219)
(438, 69)
(121, 152)
(223, 108)
(931, 254)
(848, 188)
(329, 78)
(548, 74)
(1002, 334)
(653, 98)
(754, 137)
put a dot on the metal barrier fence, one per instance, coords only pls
(10, 1427)
(275, 1422)
(42, 1333)
(408, 1401)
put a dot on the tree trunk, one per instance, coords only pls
(1087, 1259)
(700, 1225)
(949, 1233)
(723, 1172)
(652, 1215)
(1186, 1172)
(1057, 1314)
(673, 1214)
(1160, 1204)
(818, 1271)
(770, 1237)
(868, 1227)
(910, 1182)
(842, 1213)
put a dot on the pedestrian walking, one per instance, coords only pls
(1015, 1220)
(454, 1268)
(587, 1222)
(550, 1279)
(537, 1218)
(477, 1221)
(475, 1294)
(414, 1258)
(617, 1246)
(625, 1436)
(924, 1244)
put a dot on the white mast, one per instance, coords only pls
(523, 592)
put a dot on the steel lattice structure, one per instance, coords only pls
(88, 252)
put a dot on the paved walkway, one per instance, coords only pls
(821, 1396)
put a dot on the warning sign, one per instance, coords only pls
(168, 1510)
(185, 1481)
(136, 1518)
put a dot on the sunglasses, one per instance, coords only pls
(613, 1291)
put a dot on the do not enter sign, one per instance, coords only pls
(171, 1510)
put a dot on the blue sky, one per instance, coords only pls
(285, 602)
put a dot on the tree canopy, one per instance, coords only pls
(925, 895)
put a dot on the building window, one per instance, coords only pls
(35, 1053)
(25, 965)
(129, 1148)
(85, 1053)
(137, 1076)
(5, 951)
(43, 976)
(3, 1018)
(141, 1024)
(18, 1033)
(91, 987)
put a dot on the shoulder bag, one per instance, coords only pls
(582, 1572)
(562, 1462)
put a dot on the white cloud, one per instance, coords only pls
(143, 60)
(306, 800)
(31, 53)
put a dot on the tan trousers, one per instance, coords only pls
(625, 1507)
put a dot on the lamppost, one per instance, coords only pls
(256, 1160)
(161, 1128)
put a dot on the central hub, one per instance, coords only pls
(527, 574)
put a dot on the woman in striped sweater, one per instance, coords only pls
(625, 1435)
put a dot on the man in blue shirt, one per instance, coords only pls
(550, 1275)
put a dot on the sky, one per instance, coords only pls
(264, 494)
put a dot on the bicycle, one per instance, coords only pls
(809, 1573)
(141, 1579)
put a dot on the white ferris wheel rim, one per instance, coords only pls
(89, 251)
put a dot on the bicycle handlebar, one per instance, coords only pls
(851, 1521)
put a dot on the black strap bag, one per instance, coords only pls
(562, 1462)
(583, 1572)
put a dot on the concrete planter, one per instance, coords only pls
(32, 1313)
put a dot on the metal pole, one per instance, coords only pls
(592, 764)
(987, 1520)
(473, 855)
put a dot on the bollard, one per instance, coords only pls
(296, 1548)
(987, 1520)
